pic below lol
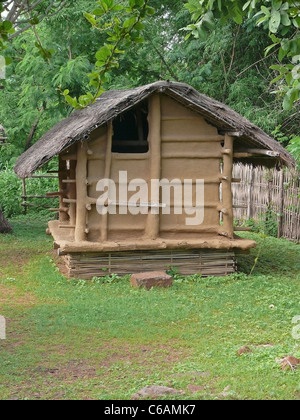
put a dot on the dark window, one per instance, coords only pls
(131, 131)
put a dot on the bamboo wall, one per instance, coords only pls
(262, 189)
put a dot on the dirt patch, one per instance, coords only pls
(69, 372)
(15, 257)
(128, 355)
(14, 297)
(144, 355)
(194, 389)
(154, 392)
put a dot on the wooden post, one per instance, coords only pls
(5, 227)
(107, 174)
(154, 118)
(270, 190)
(227, 188)
(81, 192)
(281, 204)
(63, 217)
(24, 195)
(250, 195)
(72, 195)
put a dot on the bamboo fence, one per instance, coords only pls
(261, 190)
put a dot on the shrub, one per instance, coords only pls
(11, 193)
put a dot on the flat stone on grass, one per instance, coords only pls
(149, 280)
(155, 392)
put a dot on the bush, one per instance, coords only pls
(11, 193)
(266, 225)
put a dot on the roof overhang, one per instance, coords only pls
(82, 123)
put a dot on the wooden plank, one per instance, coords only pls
(69, 201)
(55, 194)
(69, 181)
(64, 209)
(191, 139)
(44, 176)
(257, 152)
(39, 197)
(25, 204)
(202, 156)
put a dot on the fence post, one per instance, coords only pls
(250, 195)
(281, 204)
(24, 195)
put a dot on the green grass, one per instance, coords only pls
(87, 340)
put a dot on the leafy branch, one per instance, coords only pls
(123, 25)
(16, 14)
(280, 18)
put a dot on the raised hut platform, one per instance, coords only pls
(208, 256)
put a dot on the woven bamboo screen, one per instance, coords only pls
(261, 189)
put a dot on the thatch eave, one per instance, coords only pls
(82, 123)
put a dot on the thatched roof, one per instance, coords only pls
(83, 122)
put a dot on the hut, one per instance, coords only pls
(166, 132)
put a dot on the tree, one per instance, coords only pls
(5, 227)
(4, 224)
(280, 18)
(122, 24)
(17, 16)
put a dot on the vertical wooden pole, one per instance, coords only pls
(227, 188)
(295, 201)
(24, 195)
(107, 175)
(250, 195)
(81, 192)
(269, 204)
(154, 118)
(281, 204)
(63, 217)
(72, 211)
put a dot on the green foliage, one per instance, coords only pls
(280, 18)
(12, 199)
(294, 148)
(266, 225)
(123, 28)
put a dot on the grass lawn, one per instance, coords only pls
(84, 340)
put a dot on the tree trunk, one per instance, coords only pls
(4, 225)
